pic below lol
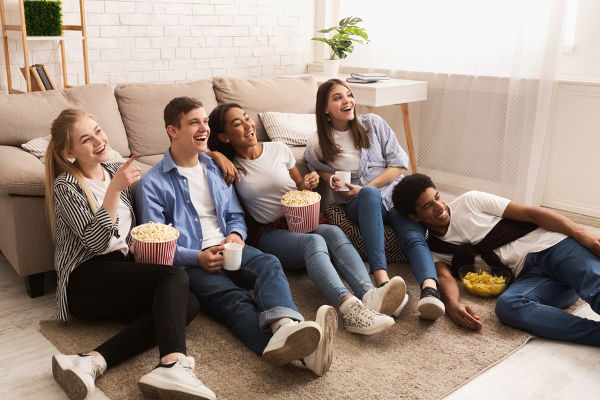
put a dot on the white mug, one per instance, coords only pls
(345, 176)
(232, 256)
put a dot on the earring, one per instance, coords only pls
(328, 118)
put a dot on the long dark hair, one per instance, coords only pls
(216, 123)
(328, 147)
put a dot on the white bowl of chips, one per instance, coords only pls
(154, 243)
(483, 280)
(301, 208)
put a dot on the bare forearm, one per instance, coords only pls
(386, 177)
(111, 204)
(448, 287)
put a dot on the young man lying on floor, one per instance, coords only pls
(554, 261)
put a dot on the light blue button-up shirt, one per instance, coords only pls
(163, 195)
(385, 151)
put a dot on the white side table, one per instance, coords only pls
(385, 93)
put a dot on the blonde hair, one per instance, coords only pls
(57, 162)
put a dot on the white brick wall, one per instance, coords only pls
(174, 40)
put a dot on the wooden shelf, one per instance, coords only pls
(25, 38)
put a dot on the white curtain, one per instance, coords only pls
(491, 68)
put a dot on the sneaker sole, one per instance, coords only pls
(402, 306)
(430, 308)
(328, 319)
(154, 392)
(368, 332)
(69, 380)
(298, 345)
(393, 296)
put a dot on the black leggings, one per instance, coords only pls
(154, 299)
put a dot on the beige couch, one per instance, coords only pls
(131, 115)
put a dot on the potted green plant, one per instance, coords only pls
(43, 18)
(341, 43)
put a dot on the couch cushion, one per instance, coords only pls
(393, 250)
(21, 173)
(287, 95)
(151, 160)
(99, 99)
(28, 116)
(142, 106)
(289, 128)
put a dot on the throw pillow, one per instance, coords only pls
(291, 129)
(38, 147)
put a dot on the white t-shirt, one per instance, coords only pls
(472, 217)
(204, 204)
(347, 160)
(98, 189)
(265, 180)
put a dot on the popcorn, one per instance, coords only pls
(154, 232)
(484, 284)
(297, 198)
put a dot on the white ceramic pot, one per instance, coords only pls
(331, 67)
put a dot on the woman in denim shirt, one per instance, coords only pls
(367, 147)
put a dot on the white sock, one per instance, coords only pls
(281, 322)
(345, 307)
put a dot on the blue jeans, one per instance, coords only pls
(551, 280)
(224, 295)
(368, 212)
(326, 253)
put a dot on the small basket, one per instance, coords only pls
(155, 252)
(302, 219)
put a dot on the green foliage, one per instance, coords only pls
(43, 18)
(346, 34)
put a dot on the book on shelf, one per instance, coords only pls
(40, 79)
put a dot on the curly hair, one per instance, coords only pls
(407, 192)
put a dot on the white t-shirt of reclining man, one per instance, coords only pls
(265, 180)
(204, 204)
(98, 189)
(472, 217)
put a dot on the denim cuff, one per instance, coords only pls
(265, 318)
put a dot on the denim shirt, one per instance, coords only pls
(385, 151)
(163, 195)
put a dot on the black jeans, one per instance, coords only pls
(154, 299)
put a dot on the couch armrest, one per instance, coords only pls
(20, 172)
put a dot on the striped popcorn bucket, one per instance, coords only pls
(302, 219)
(154, 253)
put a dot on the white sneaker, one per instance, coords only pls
(401, 307)
(292, 341)
(76, 374)
(319, 360)
(361, 319)
(175, 381)
(388, 298)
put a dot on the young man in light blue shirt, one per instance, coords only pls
(187, 190)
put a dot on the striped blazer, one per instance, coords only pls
(80, 234)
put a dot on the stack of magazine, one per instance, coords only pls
(366, 77)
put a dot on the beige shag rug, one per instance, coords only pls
(413, 360)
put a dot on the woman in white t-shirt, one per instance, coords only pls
(267, 172)
(90, 205)
(367, 147)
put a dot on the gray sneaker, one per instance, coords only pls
(401, 307)
(386, 299)
(175, 381)
(362, 320)
(319, 360)
(77, 373)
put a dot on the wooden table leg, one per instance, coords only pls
(409, 140)
(371, 108)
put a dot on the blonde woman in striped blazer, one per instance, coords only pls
(90, 205)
